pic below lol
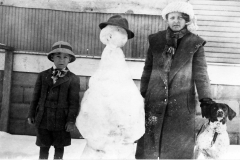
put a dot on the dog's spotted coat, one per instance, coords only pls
(208, 147)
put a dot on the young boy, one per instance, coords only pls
(55, 103)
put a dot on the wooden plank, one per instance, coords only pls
(220, 44)
(219, 29)
(217, 13)
(127, 49)
(234, 51)
(2, 62)
(215, 3)
(21, 29)
(1, 88)
(212, 53)
(216, 8)
(223, 60)
(51, 18)
(5, 25)
(26, 30)
(40, 32)
(201, 22)
(219, 34)
(7, 81)
(34, 25)
(11, 29)
(78, 38)
(72, 23)
(218, 18)
(3, 46)
(222, 39)
(2, 17)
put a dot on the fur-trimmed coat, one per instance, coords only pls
(59, 101)
(171, 97)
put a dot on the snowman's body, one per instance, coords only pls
(112, 110)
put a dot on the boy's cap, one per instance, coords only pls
(118, 20)
(62, 47)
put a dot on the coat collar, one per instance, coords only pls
(189, 45)
(182, 55)
(59, 81)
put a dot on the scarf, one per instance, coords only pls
(57, 73)
(171, 46)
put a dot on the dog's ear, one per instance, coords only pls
(231, 113)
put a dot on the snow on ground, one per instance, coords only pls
(19, 147)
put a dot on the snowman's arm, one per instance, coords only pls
(73, 99)
(147, 70)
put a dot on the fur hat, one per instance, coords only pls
(62, 47)
(183, 7)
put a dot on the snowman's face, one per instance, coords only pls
(113, 35)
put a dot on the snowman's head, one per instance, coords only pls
(114, 36)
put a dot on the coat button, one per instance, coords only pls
(165, 87)
(165, 99)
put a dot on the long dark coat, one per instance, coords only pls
(60, 100)
(171, 97)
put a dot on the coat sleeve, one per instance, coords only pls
(200, 74)
(147, 70)
(73, 99)
(36, 97)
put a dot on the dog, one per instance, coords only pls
(212, 139)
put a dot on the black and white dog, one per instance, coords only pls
(212, 139)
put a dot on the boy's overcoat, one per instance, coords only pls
(171, 97)
(59, 100)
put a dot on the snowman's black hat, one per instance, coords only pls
(117, 20)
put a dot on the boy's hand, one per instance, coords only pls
(31, 121)
(70, 126)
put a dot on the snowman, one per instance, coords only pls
(112, 113)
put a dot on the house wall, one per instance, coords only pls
(31, 27)
(36, 30)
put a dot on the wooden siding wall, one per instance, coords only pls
(219, 24)
(1, 88)
(37, 29)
